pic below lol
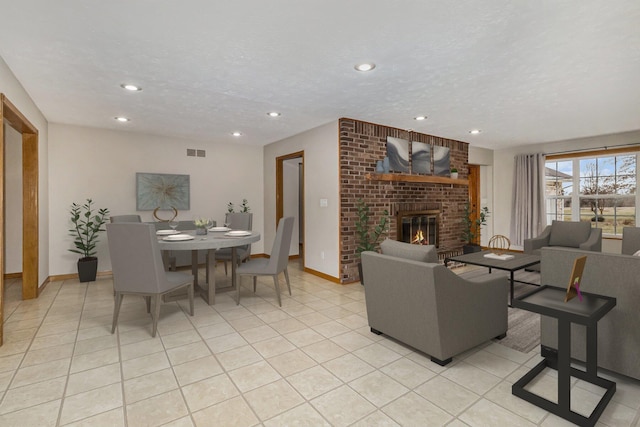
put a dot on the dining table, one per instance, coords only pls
(191, 241)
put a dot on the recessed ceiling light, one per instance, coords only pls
(420, 118)
(475, 131)
(132, 88)
(122, 119)
(273, 114)
(367, 66)
(237, 134)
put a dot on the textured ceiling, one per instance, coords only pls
(521, 71)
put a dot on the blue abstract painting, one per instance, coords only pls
(398, 154)
(441, 161)
(420, 157)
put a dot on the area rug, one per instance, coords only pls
(524, 326)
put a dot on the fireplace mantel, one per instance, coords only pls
(399, 177)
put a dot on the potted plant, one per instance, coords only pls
(454, 173)
(368, 237)
(86, 227)
(472, 226)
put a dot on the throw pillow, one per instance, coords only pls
(569, 234)
(424, 253)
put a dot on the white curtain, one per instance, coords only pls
(528, 213)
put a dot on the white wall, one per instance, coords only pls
(15, 93)
(321, 234)
(503, 161)
(291, 200)
(102, 165)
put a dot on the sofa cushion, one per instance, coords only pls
(569, 234)
(424, 253)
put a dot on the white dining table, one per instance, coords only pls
(209, 242)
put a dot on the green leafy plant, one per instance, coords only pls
(369, 237)
(244, 207)
(454, 170)
(86, 227)
(472, 226)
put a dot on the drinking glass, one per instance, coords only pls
(173, 225)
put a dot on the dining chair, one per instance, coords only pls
(236, 221)
(138, 269)
(275, 264)
(125, 218)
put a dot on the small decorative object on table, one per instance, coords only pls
(202, 224)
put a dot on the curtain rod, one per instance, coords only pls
(605, 147)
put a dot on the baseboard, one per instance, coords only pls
(10, 276)
(323, 275)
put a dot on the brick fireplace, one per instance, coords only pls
(361, 145)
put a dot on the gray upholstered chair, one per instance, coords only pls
(236, 221)
(275, 264)
(125, 218)
(138, 269)
(630, 240)
(566, 234)
(428, 307)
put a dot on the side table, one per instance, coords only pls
(549, 301)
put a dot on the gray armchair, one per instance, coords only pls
(427, 306)
(566, 234)
(630, 240)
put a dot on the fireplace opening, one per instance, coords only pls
(418, 227)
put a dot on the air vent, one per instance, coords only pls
(201, 153)
(191, 152)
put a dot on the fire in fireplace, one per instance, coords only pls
(418, 227)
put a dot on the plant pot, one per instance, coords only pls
(201, 231)
(87, 269)
(454, 175)
(360, 273)
(470, 248)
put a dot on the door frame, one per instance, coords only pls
(474, 196)
(280, 189)
(11, 115)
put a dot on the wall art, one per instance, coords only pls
(441, 161)
(160, 190)
(420, 157)
(398, 154)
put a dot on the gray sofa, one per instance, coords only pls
(567, 234)
(427, 306)
(615, 275)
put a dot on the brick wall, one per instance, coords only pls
(361, 145)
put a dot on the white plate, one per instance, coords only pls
(219, 229)
(178, 237)
(238, 233)
(166, 232)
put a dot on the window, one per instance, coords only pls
(598, 188)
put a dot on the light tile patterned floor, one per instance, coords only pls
(312, 362)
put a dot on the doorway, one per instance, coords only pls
(11, 116)
(290, 196)
(474, 195)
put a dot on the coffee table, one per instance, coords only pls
(518, 262)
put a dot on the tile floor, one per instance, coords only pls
(312, 362)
